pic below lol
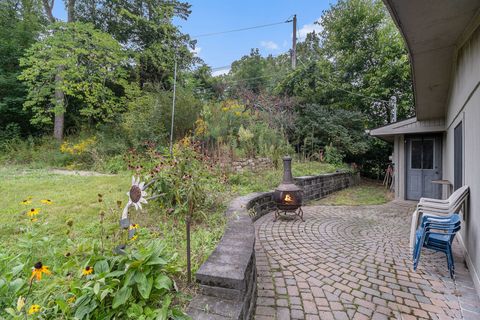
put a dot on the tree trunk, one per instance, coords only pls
(59, 122)
(71, 10)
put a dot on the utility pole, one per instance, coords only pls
(173, 106)
(294, 42)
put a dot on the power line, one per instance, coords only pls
(322, 80)
(241, 29)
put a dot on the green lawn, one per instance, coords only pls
(368, 192)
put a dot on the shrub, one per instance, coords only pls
(148, 118)
(227, 128)
(135, 285)
(333, 155)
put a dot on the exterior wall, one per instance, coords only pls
(464, 105)
(399, 161)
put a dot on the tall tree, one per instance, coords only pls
(93, 74)
(369, 58)
(20, 23)
(145, 28)
(60, 107)
(248, 73)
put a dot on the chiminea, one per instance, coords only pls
(288, 196)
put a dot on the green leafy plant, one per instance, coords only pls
(131, 286)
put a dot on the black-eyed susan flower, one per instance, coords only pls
(72, 299)
(135, 237)
(133, 226)
(46, 201)
(34, 308)
(38, 270)
(26, 201)
(87, 270)
(33, 212)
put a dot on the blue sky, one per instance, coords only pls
(220, 15)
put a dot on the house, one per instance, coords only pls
(443, 141)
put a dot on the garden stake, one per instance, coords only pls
(189, 263)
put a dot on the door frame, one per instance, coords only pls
(408, 137)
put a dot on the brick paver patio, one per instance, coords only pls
(354, 263)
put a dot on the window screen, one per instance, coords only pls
(416, 154)
(428, 149)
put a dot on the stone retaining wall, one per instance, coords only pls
(318, 187)
(254, 164)
(228, 280)
(241, 165)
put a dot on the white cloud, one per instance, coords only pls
(308, 28)
(195, 51)
(220, 72)
(269, 45)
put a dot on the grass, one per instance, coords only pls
(75, 203)
(369, 192)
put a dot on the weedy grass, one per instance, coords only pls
(368, 192)
(75, 212)
(265, 180)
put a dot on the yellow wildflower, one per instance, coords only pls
(133, 226)
(33, 212)
(38, 270)
(135, 237)
(88, 270)
(35, 308)
(46, 201)
(71, 299)
(26, 201)
(33, 220)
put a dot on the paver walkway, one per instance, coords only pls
(354, 263)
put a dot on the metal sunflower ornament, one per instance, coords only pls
(136, 197)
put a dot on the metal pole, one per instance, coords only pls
(294, 42)
(189, 259)
(173, 106)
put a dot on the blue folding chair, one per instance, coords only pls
(437, 233)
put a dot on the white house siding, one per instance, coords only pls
(464, 105)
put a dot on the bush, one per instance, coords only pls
(227, 129)
(333, 155)
(37, 152)
(148, 118)
(135, 285)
